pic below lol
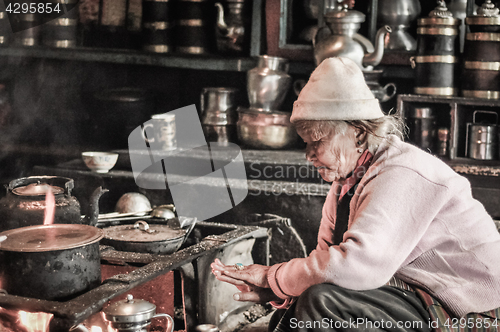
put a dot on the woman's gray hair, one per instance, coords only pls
(377, 130)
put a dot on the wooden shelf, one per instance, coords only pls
(455, 113)
(123, 56)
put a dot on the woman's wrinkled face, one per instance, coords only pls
(334, 155)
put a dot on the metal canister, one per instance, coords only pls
(482, 140)
(157, 26)
(422, 127)
(194, 22)
(481, 73)
(436, 62)
(442, 142)
(5, 29)
(62, 31)
(218, 114)
(28, 29)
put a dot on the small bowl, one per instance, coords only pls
(100, 162)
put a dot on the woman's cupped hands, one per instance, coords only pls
(251, 281)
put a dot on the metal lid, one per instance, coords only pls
(487, 14)
(421, 112)
(142, 233)
(488, 9)
(130, 310)
(345, 15)
(439, 16)
(37, 189)
(42, 238)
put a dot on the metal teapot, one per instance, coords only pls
(232, 28)
(24, 204)
(133, 315)
(340, 38)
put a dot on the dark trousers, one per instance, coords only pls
(327, 307)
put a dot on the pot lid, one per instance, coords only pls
(142, 232)
(345, 15)
(439, 16)
(49, 237)
(487, 14)
(130, 310)
(37, 189)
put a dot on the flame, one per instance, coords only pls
(35, 322)
(25, 321)
(50, 208)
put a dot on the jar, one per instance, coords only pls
(436, 62)
(481, 71)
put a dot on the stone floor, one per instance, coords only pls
(260, 325)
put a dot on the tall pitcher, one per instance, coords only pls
(268, 83)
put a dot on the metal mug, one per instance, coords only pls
(163, 135)
(482, 138)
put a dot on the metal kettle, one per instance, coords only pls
(132, 315)
(24, 204)
(340, 39)
(232, 28)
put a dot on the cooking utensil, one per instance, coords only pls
(133, 315)
(132, 202)
(265, 130)
(268, 83)
(163, 212)
(24, 204)
(143, 237)
(482, 138)
(52, 262)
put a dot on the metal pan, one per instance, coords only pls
(142, 237)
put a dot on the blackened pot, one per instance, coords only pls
(54, 262)
(142, 237)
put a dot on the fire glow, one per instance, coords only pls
(50, 208)
(24, 321)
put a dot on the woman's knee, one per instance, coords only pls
(319, 295)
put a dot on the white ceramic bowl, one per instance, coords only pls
(100, 162)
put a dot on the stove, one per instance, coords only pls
(204, 299)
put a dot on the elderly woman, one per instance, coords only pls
(401, 243)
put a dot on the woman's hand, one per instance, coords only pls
(251, 281)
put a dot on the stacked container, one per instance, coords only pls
(481, 73)
(436, 62)
(62, 31)
(157, 26)
(194, 22)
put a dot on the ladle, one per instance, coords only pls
(161, 212)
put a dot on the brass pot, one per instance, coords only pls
(265, 129)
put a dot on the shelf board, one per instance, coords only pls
(123, 56)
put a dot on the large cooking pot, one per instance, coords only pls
(24, 204)
(143, 237)
(53, 262)
(115, 113)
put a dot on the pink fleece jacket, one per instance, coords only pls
(413, 217)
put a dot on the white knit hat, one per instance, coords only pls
(336, 90)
